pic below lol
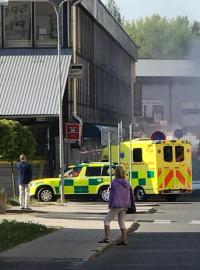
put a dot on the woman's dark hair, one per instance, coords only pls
(120, 172)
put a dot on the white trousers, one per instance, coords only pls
(120, 212)
(24, 196)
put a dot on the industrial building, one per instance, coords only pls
(97, 97)
(170, 95)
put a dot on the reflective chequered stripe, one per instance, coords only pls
(86, 186)
(142, 177)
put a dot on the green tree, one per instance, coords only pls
(158, 37)
(114, 10)
(195, 29)
(15, 139)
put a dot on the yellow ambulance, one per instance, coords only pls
(157, 166)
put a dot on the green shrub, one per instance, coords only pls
(13, 201)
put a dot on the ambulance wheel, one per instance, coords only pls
(139, 194)
(171, 198)
(104, 194)
(45, 194)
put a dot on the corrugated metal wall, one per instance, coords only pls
(103, 17)
(104, 93)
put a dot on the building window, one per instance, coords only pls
(153, 110)
(17, 24)
(45, 25)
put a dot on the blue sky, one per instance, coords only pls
(135, 9)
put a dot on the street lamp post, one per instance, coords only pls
(57, 4)
(57, 8)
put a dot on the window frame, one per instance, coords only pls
(32, 42)
(35, 41)
(24, 43)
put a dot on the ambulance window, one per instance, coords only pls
(106, 169)
(168, 155)
(179, 152)
(73, 172)
(137, 155)
(93, 171)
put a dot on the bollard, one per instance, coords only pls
(3, 200)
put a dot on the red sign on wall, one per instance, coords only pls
(72, 132)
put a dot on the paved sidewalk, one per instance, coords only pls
(81, 227)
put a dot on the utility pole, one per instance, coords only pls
(110, 154)
(119, 139)
(131, 151)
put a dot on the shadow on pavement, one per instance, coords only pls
(174, 251)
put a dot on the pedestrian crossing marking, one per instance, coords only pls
(195, 222)
(162, 221)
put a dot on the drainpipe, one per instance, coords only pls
(74, 46)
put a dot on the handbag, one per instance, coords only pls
(132, 208)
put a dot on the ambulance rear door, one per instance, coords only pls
(182, 167)
(173, 171)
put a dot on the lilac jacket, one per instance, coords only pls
(119, 194)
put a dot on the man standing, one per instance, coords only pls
(24, 178)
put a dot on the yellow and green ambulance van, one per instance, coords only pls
(157, 166)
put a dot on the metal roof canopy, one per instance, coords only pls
(29, 81)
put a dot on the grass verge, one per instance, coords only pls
(13, 233)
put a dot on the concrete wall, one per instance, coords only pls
(182, 94)
(6, 175)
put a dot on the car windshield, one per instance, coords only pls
(73, 172)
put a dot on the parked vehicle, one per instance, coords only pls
(157, 167)
(85, 179)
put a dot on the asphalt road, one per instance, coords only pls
(167, 240)
(41, 265)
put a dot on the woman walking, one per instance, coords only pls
(119, 202)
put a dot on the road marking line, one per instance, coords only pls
(195, 222)
(162, 221)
